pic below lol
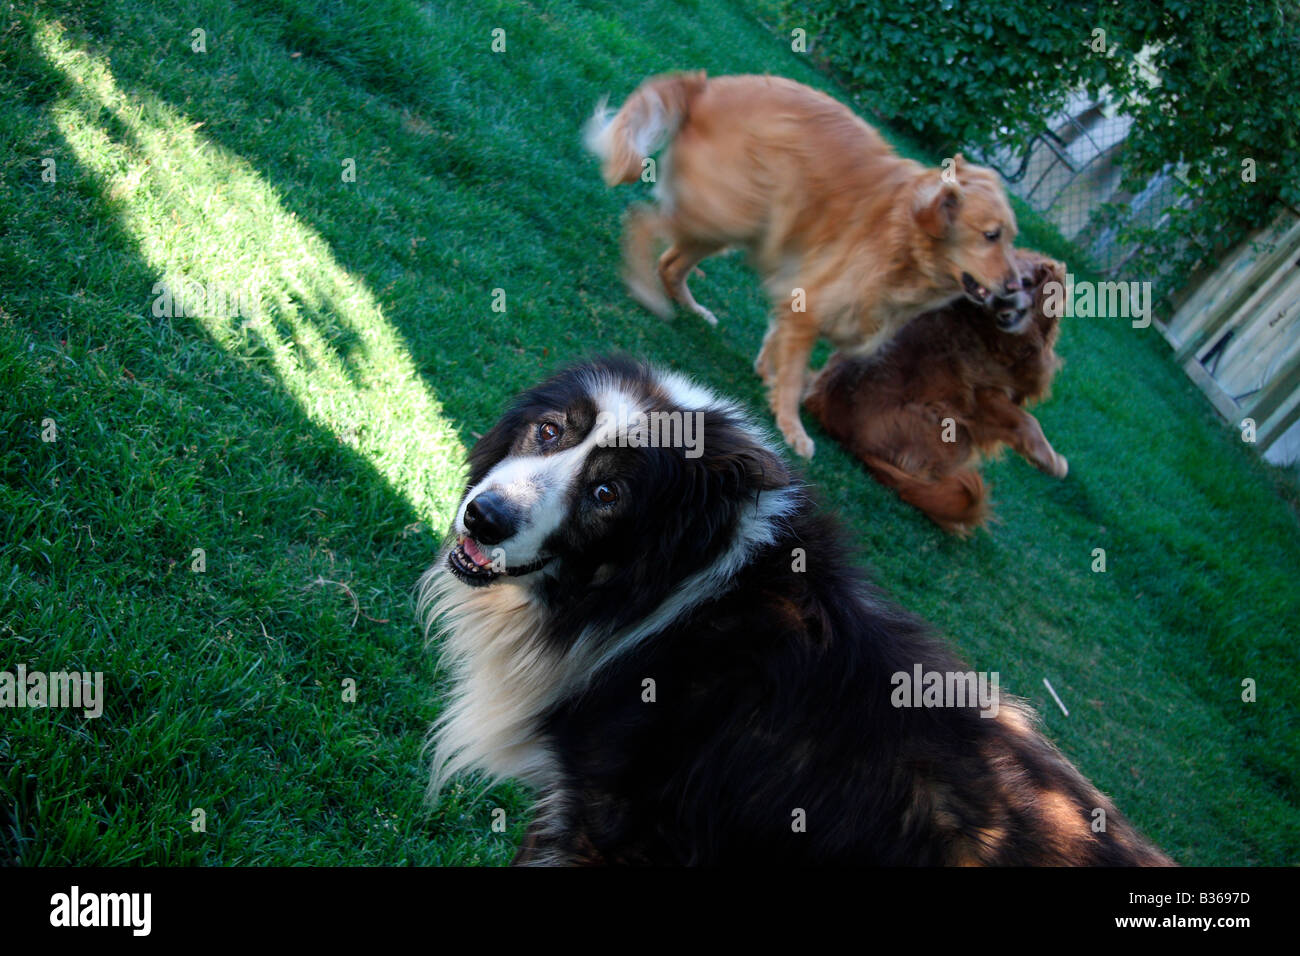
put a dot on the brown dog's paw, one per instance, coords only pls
(1054, 465)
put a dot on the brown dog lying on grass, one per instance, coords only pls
(952, 386)
(851, 239)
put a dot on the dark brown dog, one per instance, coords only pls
(951, 387)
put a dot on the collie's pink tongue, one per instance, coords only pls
(477, 556)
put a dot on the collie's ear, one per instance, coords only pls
(763, 470)
(732, 455)
(937, 203)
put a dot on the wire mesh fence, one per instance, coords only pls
(1073, 170)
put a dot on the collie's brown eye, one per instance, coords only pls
(993, 236)
(548, 431)
(605, 494)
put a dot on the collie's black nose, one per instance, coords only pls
(489, 518)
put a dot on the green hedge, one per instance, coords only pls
(971, 72)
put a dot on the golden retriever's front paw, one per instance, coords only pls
(798, 440)
(706, 315)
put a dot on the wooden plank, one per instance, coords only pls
(1213, 284)
(1250, 287)
(1280, 422)
(1267, 338)
(1221, 400)
(1281, 388)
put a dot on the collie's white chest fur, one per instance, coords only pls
(505, 674)
(503, 678)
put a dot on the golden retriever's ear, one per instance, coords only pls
(937, 203)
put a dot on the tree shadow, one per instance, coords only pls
(288, 438)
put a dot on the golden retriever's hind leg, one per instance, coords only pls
(764, 365)
(642, 226)
(675, 267)
(791, 349)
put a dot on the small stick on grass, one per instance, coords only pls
(1055, 698)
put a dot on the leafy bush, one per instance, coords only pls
(971, 72)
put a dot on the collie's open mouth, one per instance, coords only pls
(469, 563)
(973, 289)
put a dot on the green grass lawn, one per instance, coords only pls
(314, 452)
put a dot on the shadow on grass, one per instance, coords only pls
(290, 448)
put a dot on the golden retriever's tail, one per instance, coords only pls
(957, 502)
(649, 119)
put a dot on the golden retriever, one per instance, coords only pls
(851, 239)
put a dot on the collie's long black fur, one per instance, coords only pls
(696, 672)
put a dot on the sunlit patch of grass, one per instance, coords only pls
(209, 224)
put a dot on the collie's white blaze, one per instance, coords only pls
(539, 486)
(504, 674)
(691, 395)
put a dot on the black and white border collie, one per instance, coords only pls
(669, 641)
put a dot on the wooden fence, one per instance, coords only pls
(1237, 334)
